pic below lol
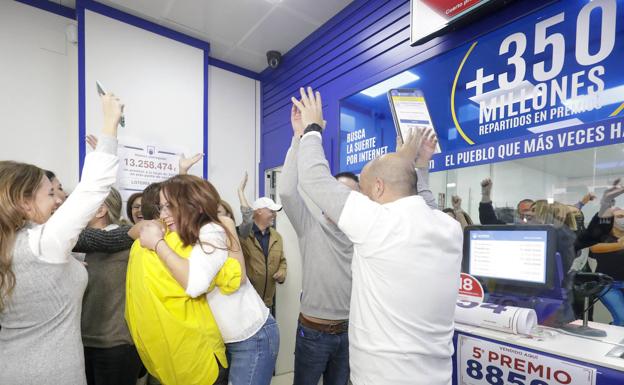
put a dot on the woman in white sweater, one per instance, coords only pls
(189, 207)
(41, 285)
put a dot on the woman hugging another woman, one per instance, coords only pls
(189, 206)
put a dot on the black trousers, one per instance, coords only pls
(222, 379)
(119, 365)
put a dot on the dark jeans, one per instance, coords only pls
(222, 378)
(321, 354)
(119, 365)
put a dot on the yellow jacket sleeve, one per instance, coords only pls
(228, 279)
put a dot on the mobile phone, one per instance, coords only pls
(409, 111)
(100, 89)
(101, 92)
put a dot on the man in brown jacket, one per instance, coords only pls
(264, 250)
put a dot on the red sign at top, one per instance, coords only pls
(451, 8)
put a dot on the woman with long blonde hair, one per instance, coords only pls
(41, 285)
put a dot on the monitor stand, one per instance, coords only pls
(584, 329)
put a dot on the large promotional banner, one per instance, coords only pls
(551, 81)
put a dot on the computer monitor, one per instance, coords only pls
(513, 258)
(518, 265)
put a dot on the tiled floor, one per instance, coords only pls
(287, 379)
(284, 379)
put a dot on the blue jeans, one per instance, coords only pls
(321, 354)
(252, 361)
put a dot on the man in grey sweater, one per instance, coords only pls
(322, 345)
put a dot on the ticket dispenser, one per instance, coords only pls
(518, 265)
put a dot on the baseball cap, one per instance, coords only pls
(265, 203)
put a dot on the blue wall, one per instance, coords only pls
(365, 43)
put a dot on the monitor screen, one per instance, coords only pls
(509, 254)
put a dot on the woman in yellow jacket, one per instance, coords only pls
(189, 207)
(175, 334)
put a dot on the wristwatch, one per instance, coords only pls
(313, 127)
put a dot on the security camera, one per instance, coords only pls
(274, 58)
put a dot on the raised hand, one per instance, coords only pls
(411, 144)
(588, 197)
(296, 122)
(310, 106)
(428, 146)
(241, 192)
(243, 182)
(113, 110)
(486, 190)
(185, 163)
(92, 141)
(608, 198)
(399, 143)
(456, 202)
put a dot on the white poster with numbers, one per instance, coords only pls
(481, 362)
(143, 164)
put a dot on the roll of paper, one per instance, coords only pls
(508, 319)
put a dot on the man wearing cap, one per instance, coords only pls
(264, 250)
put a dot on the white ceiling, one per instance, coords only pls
(240, 32)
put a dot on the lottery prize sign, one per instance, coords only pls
(141, 165)
(481, 362)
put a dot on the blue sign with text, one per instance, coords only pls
(551, 81)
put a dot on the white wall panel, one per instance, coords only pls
(38, 97)
(232, 128)
(160, 80)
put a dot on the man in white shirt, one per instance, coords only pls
(406, 261)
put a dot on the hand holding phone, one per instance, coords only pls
(102, 92)
(410, 111)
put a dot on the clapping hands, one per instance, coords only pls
(310, 108)
(419, 146)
